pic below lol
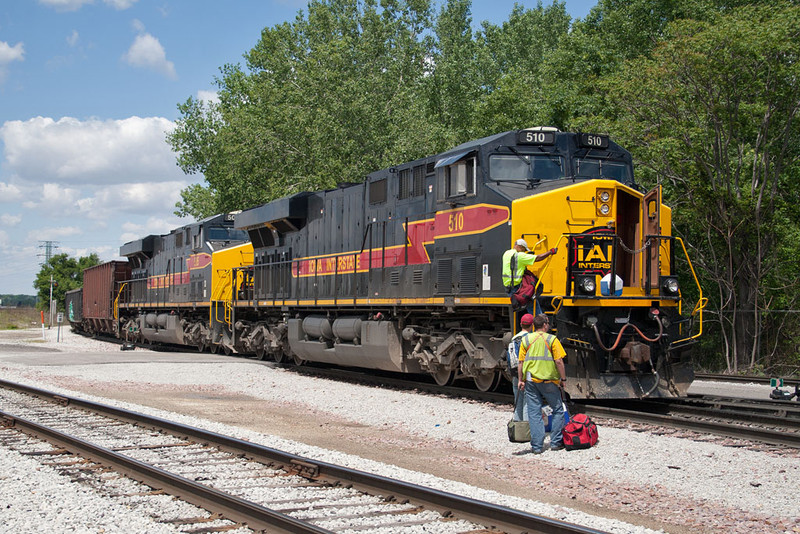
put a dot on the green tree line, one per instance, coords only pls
(702, 92)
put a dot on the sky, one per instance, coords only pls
(88, 91)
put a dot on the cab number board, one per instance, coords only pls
(593, 140)
(530, 137)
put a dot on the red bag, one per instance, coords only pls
(525, 293)
(580, 433)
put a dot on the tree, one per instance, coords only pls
(67, 274)
(322, 100)
(712, 116)
(512, 58)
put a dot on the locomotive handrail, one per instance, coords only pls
(701, 301)
(547, 264)
(116, 301)
(213, 310)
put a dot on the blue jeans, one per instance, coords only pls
(521, 405)
(535, 395)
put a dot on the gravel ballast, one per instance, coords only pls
(662, 482)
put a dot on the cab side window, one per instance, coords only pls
(457, 179)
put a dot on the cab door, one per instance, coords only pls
(651, 217)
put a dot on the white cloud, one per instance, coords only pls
(10, 193)
(120, 4)
(52, 200)
(10, 220)
(74, 5)
(8, 54)
(152, 226)
(54, 233)
(66, 5)
(72, 39)
(147, 52)
(209, 97)
(71, 151)
(138, 198)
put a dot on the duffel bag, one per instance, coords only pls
(519, 431)
(580, 432)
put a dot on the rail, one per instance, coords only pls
(449, 506)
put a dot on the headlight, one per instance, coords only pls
(669, 285)
(604, 196)
(604, 209)
(586, 285)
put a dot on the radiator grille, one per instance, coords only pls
(444, 276)
(467, 281)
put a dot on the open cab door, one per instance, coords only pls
(651, 226)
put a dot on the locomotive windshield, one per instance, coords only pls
(520, 167)
(600, 168)
(226, 234)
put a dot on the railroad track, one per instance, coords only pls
(769, 421)
(240, 483)
(711, 419)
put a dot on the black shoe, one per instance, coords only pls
(557, 447)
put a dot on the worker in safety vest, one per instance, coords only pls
(515, 263)
(542, 374)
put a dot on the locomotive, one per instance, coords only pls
(402, 272)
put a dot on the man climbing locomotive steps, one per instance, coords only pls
(541, 375)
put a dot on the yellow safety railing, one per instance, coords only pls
(219, 296)
(116, 301)
(701, 300)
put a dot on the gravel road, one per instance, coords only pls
(632, 481)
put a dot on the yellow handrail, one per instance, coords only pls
(547, 263)
(116, 301)
(213, 315)
(701, 300)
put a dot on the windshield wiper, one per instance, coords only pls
(520, 156)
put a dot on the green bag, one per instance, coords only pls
(519, 431)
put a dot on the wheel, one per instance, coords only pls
(227, 350)
(486, 381)
(298, 360)
(214, 348)
(201, 347)
(279, 356)
(443, 377)
(261, 354)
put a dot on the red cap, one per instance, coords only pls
(526, 320)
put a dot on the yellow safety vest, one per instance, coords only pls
(539, 364)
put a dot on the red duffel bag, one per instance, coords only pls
(580, 432)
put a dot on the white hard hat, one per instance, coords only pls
(522, 243)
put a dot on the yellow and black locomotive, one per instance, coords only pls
(403, 272)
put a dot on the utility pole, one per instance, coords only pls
(48, 247)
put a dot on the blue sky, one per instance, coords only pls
(88, 89)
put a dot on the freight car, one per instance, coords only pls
(91, 309)
(402, 272)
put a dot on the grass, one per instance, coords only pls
(19, 318)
